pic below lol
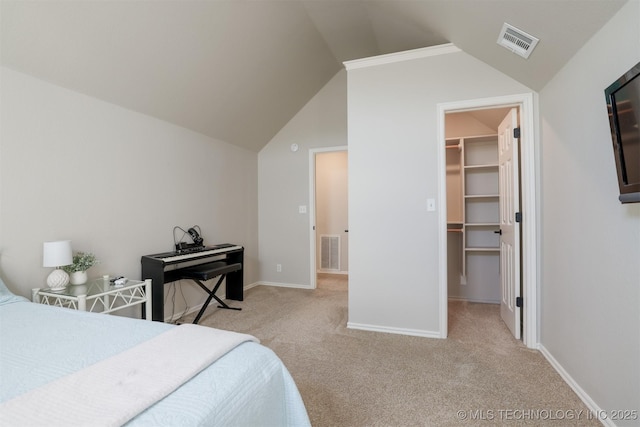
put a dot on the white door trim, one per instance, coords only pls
(312, 207)
(529, 168)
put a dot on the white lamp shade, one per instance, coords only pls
(57, 254)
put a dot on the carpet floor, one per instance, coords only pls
(479, 375)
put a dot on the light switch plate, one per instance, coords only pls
(431, 205)
(302, 209)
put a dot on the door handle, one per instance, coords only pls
(498, 232)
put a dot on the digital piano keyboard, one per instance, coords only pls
(154, 267)
(195, 253)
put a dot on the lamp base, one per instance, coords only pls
(58, 279)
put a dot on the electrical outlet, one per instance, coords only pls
(279, 268)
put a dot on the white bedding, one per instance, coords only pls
(128, 382)
(39, 344)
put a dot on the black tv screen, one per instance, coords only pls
(623, 103)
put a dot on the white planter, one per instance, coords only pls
(78, 278)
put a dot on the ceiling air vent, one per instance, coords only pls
(517, 41)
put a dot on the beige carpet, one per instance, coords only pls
(480, 375)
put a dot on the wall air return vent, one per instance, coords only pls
(517, 41)
(330, 252)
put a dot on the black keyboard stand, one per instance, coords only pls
(204, 272)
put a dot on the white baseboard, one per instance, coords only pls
(586, 399)
(252, 285)
(284, 285)
(197, 308)
(389, 330)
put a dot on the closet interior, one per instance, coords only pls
(473, 197)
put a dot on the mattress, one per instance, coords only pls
(249, 385)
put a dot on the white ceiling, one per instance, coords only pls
(239, 70)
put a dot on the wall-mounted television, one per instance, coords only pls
(623, 103)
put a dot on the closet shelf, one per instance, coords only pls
(474, 173)
(481, 196)
(484, 166)
(455, 226)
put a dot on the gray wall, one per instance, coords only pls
(590, 297)
(283, 178)
(114, 182)
(393, 170)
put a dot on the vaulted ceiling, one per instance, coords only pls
(239, 70)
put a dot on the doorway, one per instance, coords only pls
(329, 215)
(482, 229)
(482, 194)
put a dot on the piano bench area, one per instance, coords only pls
(202, 273)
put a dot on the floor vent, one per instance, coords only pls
(517, 41)
(330, 252)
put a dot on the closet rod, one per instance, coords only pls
(453, 146)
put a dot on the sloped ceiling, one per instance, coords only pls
(239, 70)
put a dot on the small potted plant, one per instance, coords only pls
(82, 261)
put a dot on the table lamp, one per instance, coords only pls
(57, 254)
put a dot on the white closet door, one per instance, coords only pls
(510, 229)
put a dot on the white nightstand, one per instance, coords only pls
(98, 296)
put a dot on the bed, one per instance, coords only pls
(61, 367)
